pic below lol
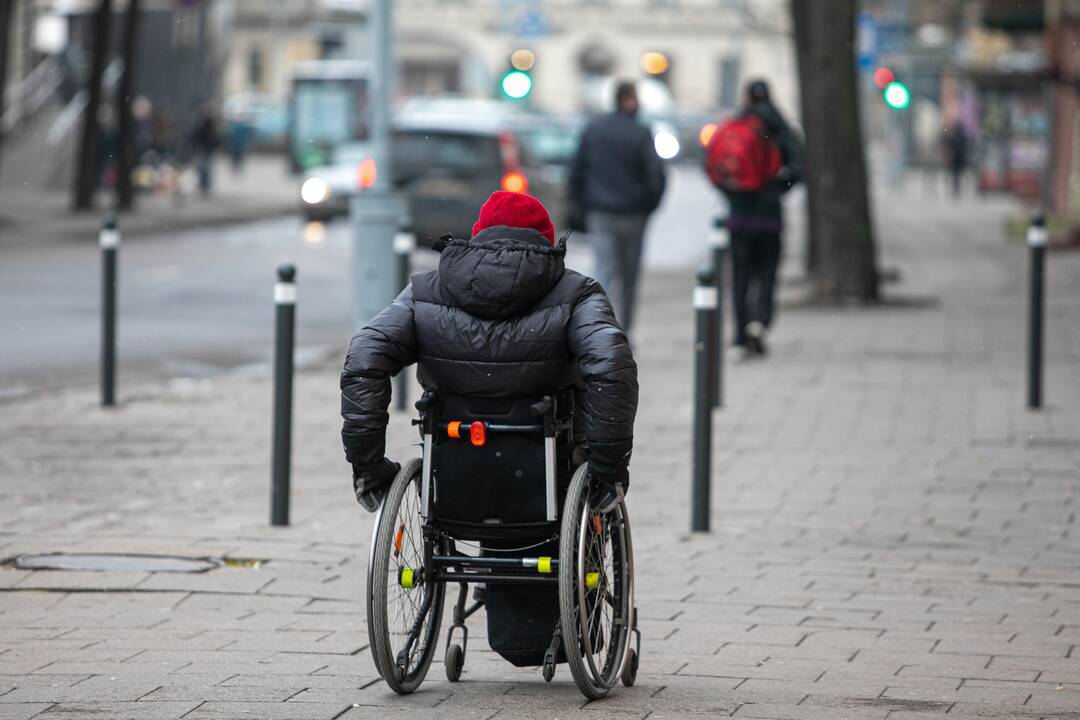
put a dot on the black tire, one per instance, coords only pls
(454, 662)
(629, 671)
(595, 645)
(393, 609)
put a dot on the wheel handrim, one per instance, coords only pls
(601, 607)
(401, 602)
(405, 605)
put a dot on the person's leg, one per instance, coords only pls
(770, 250)
(755, 290)
(606, 260)
(631, 239)
(739, 274)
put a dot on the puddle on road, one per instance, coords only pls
(121, 561)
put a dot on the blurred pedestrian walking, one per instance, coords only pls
(240, 132)
(956, 154)
(616, 181)
(204, 141)
(754, 158)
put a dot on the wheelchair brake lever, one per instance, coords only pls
(541, 408)
(426, 402)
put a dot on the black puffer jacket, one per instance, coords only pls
(616, 168)
(500, 317)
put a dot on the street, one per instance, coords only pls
(198, 302)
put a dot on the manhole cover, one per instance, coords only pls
(90, 561)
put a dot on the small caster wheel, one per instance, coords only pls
(629, 672)
(549, 671)
(454, 662)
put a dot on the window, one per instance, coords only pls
(728, 95)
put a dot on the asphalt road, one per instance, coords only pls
(199, 302)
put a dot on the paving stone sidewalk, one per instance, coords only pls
(894, 535)
(263, 188)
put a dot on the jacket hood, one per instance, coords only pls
(501, 272)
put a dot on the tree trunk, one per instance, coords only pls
(841, 252)
(86, 162)
(6, 9)
(125, 135)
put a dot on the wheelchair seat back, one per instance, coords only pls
(496, 486)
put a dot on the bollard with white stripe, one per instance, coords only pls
(285, 304)
(404, 244)
(109, 240)
(1036, 241)
(719, 242)
(705, 302)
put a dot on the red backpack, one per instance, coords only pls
(740, 157)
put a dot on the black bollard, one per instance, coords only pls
(704, 378)
(720, 242)
(1036, 240)
(109, 240)
(404, 244)
(285, 304)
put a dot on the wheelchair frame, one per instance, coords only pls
(442, 564)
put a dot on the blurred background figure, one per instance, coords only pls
(204, 141)
(240, 132)
(754, 159)
(956, 142)
(618, 180)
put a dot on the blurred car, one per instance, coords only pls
(447, 159)
(325, 190)
(694, 132)
(553, 141)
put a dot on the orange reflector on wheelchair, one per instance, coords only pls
(397, 540)
(453, 429)
(477, 434)
(598, 524)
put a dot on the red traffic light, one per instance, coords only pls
(883, 76)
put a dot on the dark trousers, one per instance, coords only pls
(754, 259)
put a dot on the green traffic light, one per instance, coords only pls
(897, 96)
(516, 84)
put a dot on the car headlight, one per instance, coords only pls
(314, 191)
(666, 144)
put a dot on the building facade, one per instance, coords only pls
(711, 47)
(463, 46)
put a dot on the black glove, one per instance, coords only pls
(606, 492)
(371, 483)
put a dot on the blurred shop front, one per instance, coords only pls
(1014, 137)
(998, 87)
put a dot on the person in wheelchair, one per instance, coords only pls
(501, 317)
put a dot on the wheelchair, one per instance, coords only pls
(497, 478)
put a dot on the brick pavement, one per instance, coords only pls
(894, 534)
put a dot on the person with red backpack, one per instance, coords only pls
(754, 158)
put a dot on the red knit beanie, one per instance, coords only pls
(515, 210)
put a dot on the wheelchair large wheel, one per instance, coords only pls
(404, 604)
(595, 589)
